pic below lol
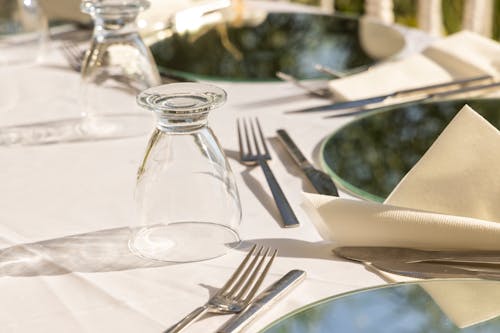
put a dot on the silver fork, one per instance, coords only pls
(258, 154)
(73, 54)
(237, 292)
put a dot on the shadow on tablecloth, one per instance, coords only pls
(98, 251)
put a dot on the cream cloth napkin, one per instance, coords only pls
(448, 200)
(461, 55)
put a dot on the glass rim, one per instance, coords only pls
(182, 98)
(113, 6)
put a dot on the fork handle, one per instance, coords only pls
(186, 321)
(286, 212)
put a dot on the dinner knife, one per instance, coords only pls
(263, 301)
(428, 98)
(419, 93)
(322, 183)
(424, 270)
(407, 255)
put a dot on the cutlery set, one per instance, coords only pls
(254, 151)
(263, 301)
(427, 264)
(425, 91)
(470, 86)
(237, 294)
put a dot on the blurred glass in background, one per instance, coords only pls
(23, 31)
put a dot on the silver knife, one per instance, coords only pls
(401, 93)
(407, 255)
(322, 183)
(424, 270)
(263, 301)
(429, 98)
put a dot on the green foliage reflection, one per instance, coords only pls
(288, 42)
(372, 154)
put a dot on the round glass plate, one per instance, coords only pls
(433, 306)
(279, 41)
(369, 156)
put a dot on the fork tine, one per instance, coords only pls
(255, 269)
(256, 142)
(75, 49)
(240, 141)
(238, 270)
(70, 48)
(245, 274)
(72, 55)
(257, 284)
(251, 279)
(266, 150)
(249, 145)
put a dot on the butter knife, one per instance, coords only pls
(424, 270)
(322, 183)
(407, 255)
(263, 301)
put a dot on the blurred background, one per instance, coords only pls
(438, 17)
(406, 12)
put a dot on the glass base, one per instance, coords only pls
(183, 241)
(78, 129)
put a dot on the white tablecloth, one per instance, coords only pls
(72, 203)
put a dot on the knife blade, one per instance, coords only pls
(407, 255)
(263, 301)
(322, 183)
(419, 93)
(424, 270)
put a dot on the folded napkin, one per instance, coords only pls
(461, 55)
(453, 190)
(448, 200)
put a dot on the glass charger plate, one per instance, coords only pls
(369, 156)
(397, 308)
(277, 41)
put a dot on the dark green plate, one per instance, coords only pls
(288, 42)
(396, 308)
(369, 156)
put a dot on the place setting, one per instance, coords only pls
(143, 192)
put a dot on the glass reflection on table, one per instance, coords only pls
(397, 308)
(369, 156)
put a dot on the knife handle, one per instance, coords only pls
(292, 148)
(263, 301)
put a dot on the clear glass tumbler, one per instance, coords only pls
(23, 32)
(117, 66)
(187, 198)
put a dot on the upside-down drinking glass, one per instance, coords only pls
(187, 198)
(23, 31)
(117, 66)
